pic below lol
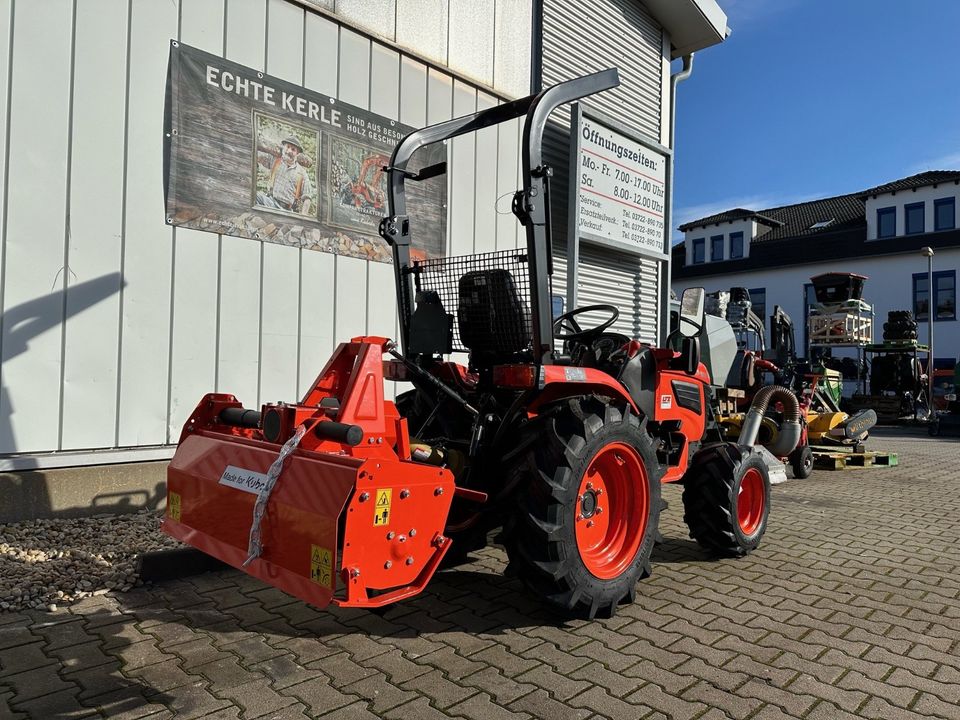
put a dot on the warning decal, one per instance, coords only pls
(382, 508)
(173, 506)
(321, 566)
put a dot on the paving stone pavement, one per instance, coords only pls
(849, 609)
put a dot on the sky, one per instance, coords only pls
(809, 99)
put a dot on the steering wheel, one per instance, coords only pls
(566, 327)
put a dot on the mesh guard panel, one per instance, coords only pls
(488, 295)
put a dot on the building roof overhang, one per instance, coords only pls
(692, 24)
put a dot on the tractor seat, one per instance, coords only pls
(638, 374)
(493, 318)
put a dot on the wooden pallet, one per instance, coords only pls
(825, 458)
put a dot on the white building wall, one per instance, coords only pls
(889, 287)
(747, 227)
(902, 198)
(486, 41)
(115, 324)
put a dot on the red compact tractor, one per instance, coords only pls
(350, 498)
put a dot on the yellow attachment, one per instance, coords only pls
(820, 424)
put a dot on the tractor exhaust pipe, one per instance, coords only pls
(789, 434)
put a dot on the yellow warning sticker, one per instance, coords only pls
(382, 508)
(173, 506)
(321, 566)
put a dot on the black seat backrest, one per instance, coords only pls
(431, 327)
(639, 376)
(493, 318)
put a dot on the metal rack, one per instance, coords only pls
(915, 349)
(850, 328)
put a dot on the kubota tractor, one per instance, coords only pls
(347, 497)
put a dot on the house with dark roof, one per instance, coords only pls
(878, 232)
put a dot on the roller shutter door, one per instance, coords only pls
(628, 282)
(580, 38)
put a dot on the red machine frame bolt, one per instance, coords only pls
(438, 491)
(410, 560)
(413, 532)
(387, 565)
(364, 497)
(391, 535)
(404, 494)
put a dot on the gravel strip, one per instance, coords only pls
(45, 563)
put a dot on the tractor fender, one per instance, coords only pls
(560, 381)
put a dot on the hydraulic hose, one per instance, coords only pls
(789, 435)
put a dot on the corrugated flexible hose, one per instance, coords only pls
(789, 434)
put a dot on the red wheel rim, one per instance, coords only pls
(612, 509)
(750, 501)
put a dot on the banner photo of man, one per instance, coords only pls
(250, 155)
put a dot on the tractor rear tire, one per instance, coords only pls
(588, 509)
(726, 499)
(801, 462)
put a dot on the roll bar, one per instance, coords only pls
(531, 204)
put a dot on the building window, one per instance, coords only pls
(944, 291)
(736, 245)
(913, 218)
(758, 298)
(716, 247)
(886, 222)
(698, 249)
(944, 214)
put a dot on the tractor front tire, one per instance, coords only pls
(801, 462)
(588, 508)
(726, 499)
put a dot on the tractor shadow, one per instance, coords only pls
(465, 599)
(680, 551)
(478, 597)
(94, 650)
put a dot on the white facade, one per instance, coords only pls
(114, 323)
(889, 287)
(900, 199)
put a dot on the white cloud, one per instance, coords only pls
(949, 161)
(687, 213)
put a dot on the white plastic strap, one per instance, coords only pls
(255, 547)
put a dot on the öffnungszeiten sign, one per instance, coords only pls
(622, 190)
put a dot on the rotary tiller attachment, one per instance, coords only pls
(346, 518)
